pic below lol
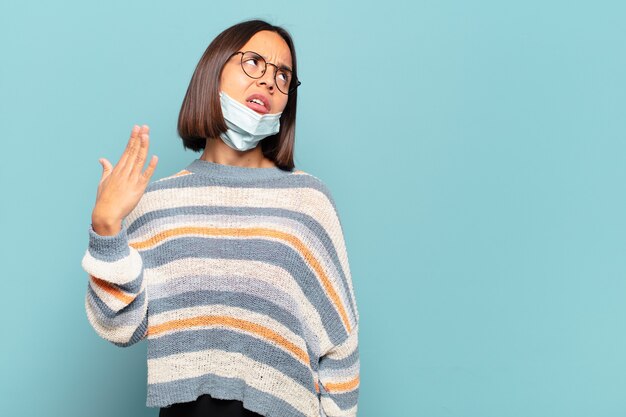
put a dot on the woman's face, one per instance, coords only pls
(240, 87)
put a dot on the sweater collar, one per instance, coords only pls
(213, 169)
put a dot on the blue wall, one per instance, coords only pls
(476, 151)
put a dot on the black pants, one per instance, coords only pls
(207, 406)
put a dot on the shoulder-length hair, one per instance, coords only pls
(201, 115)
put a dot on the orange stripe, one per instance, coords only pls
(110, 289)
(183, 172)
(232, 322)
(254, 231)
(342, 386)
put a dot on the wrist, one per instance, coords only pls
(106, 226)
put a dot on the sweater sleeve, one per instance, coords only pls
(339, 366)
(115, 302)
(339, 378)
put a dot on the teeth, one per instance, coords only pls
(257, 101)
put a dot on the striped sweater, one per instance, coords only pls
(238, 278)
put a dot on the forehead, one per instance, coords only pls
(271, 46)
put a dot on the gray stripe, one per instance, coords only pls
(227, 340)
(274, 253)
(346, 362)
(186, 390)
(340, 374)
(248, 285)
(108, 248)
(343, 400)
(242, 175)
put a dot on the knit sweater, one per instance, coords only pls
(238, 278)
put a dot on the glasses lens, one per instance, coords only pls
(253, 64)
(283, 80)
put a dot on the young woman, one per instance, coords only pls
(234, 268)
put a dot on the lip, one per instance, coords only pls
(260, 109)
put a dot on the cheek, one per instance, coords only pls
(283, 103)
(234, 84)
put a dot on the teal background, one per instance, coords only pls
(476, 152)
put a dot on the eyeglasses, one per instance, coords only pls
(255, 66)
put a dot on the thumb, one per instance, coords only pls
(106, 166)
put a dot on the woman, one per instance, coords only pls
(234, 268)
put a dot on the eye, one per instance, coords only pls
(283, 77)
(251, 61)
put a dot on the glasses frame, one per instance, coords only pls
(294, 78)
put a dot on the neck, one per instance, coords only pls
(218, 152)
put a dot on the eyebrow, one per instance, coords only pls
(280, 65)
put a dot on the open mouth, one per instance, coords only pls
(258, 103)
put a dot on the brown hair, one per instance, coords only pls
(201, 116)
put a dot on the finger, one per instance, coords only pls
(150, 170)
(141, 154)
(106, 167)
(131, 161)
(134, 134)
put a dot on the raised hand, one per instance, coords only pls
(122, 186)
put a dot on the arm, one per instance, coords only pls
(115, 302)
(339, 378)
(339, 365)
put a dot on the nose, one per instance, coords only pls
(267, 78)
